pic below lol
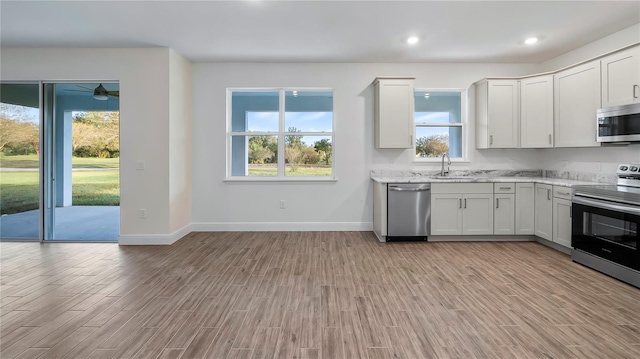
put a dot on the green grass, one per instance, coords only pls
(31, 161)
(19, 190)
(304, 170)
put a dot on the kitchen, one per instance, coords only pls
(510, 298)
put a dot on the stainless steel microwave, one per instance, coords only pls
(619, 124)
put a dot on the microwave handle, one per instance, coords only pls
(618, 207)
(635, 87)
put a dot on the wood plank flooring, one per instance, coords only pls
(309, 295)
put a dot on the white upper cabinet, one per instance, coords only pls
(394, 112)
(536, 112)
(621, 78)
(576, 100)
(497, 114)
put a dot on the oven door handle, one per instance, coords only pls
(618, 207)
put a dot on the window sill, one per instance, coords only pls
(280, 179)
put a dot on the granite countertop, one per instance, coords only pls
(481, 176)
(545, 180)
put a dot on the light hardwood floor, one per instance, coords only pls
(310, 295)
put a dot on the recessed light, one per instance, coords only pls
(413, 40)
(426, 95)
(531, 40)
(295, 93)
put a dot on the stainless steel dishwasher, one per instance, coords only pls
(408, 210)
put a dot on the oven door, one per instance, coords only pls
(606, 229)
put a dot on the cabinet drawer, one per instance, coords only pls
(562, 192)
(462, 188)
(504, 187)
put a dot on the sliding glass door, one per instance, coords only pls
(20, 162)
(59, 161)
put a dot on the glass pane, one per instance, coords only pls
(308, 111)
(254, 156)
(436, 141)
(19, 161)
(254, 111)
(437, 107)
(308, 155)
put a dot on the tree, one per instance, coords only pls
(432, 146)
(293, 149)
(293, 155)
(293, 140)
(323, 147)
(96, 134)
(260, 149)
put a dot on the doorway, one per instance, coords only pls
(77, 162)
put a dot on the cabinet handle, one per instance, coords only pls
(564, 193)
(635, 87)
(505, 188)
(497, 202)
(410, 140)
(465, 203)
(549, 138)
(459, 202)
(570, 210)
(549, 194)
(490, 139)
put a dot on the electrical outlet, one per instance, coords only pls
(140, 166)
(282, 204)
(142, 213)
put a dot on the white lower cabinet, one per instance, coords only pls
(504, 213)
(525, 208)
(446, 214)
(543, 211)
(562, 222)
(461, 208)
(562, 215)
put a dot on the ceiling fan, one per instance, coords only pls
(99, 93)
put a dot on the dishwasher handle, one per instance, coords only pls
(400, 189)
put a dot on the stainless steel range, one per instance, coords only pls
(605, 226)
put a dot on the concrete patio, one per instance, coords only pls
(72, 223)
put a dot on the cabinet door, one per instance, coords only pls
(562, 222)
(394, 113)
(525, 200)
(446, 214)
(503, 113)
(576, 100)
(477, 214)
(621, 78)
(536, 112)
(504, 216)
(543, 212)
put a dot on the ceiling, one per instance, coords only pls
(320, 31)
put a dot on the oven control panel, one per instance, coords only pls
(628, 171)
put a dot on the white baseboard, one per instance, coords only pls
(487, 238)
(280, 226)
(154, 239)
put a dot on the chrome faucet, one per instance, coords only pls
(443, 172)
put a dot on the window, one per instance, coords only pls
(439, 124)
(281, 134)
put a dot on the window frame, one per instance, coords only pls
(464, 126)
(280, 135)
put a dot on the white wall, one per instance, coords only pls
(345, 204)
(143, 75)
(179, 141)
(615, 41)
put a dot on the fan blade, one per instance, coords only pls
(85, 88)
(114, 93)
(78, 90)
